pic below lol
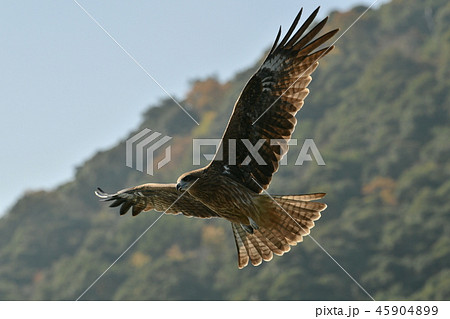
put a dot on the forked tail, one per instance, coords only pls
(284, 221)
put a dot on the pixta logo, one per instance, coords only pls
(143, 146)
(308, 148)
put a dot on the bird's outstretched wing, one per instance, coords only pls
(265, 111)
(160, 197)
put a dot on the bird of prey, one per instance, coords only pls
(233, 186)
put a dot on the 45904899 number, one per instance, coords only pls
(405, 310)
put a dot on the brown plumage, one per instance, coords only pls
(232, 185)
(160, 197)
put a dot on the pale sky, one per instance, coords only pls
(67, 90)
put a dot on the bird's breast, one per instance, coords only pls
(226, 197)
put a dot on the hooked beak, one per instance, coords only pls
(180, 187)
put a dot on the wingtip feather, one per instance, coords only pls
(101, 194)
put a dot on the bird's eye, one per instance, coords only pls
(187, 178)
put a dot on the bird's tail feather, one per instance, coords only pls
(283, 222)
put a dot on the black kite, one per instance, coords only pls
(232, 186)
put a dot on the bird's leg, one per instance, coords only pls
(247, 228)
(253, 223)
(250, 228)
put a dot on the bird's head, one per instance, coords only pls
(188, 179)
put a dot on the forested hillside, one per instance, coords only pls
(378, 111)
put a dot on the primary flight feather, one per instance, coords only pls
(233, 185)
